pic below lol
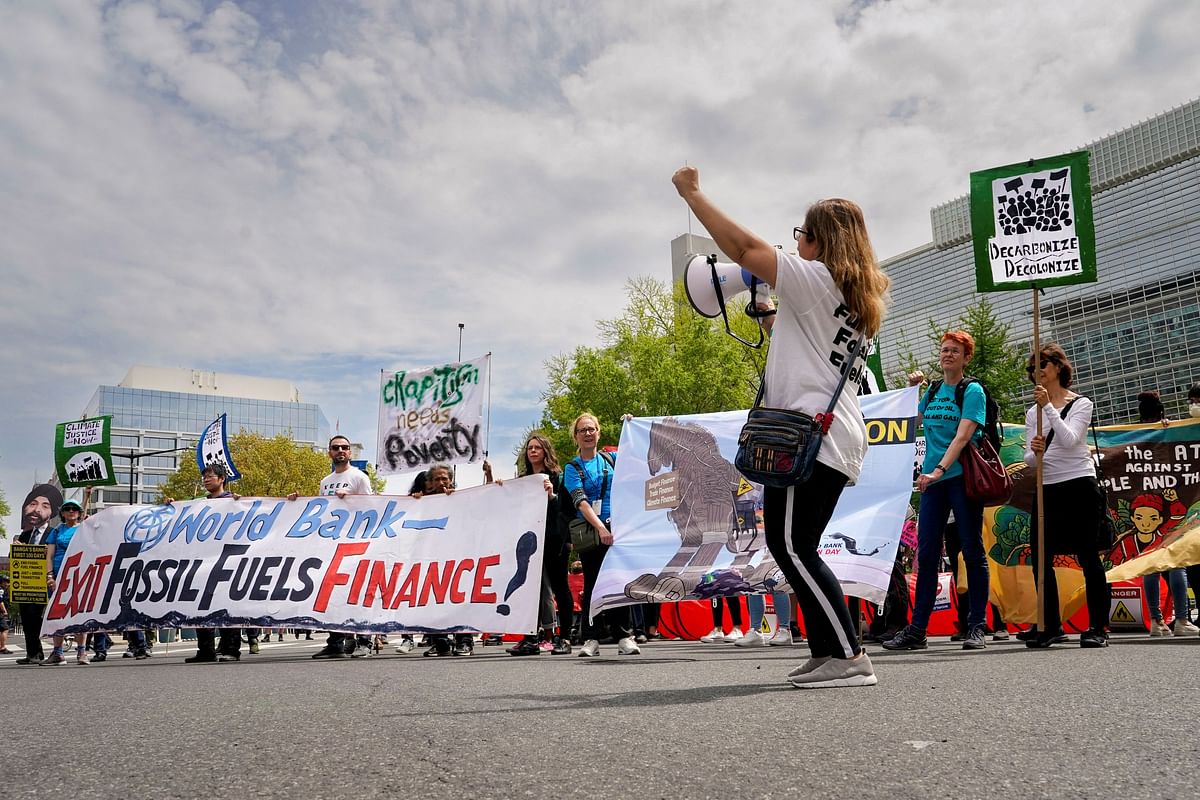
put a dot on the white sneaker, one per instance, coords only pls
(627, 647)
(406, 646)
(734, 634)
(751, 639)
(782, 637)
(1184, 628)
(807, 667)
(717, 635)
(1158, 628)
(838, 672)
(590, 649)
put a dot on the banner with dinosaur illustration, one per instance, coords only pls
(687, 525)
(1153, 479)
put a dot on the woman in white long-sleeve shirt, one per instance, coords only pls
(1069, 492)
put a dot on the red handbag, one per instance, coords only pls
(984, 477)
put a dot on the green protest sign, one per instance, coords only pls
(82, 453)
(1031, 224)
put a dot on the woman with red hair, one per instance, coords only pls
(948, 429)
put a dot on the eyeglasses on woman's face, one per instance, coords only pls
(586, 431)
(799, 232)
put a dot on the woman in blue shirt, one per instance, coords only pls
(948, 429)
(587, 480)
(59, 539)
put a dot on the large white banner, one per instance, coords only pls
(687, 525)
(432, 416)
(469, 561)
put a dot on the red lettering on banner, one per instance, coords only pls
(379, 585)
(100, 565)
(59, 609)
(457, 595)
(408, 591)
(332, 577)
(482, 581)
(360, 577)
(436, 583)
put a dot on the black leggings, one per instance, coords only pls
(735, 611)
(555, 589)
(614, 621)
(1070, 518)
(794, 519)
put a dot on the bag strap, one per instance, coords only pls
(1063, 416)
(826, 419)
(1096, 442)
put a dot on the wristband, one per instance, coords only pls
(939, 466)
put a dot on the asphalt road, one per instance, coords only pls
(683, 720)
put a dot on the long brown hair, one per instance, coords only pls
(550, 464)
(838, 227)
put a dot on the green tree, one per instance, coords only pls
(4, 512)
(270, 467)
(658, 357)
(997, 362)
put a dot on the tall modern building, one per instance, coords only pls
(1137, 328)
(163, 409)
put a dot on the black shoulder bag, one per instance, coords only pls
(777, 446)
(1106, 530)
(583, 536)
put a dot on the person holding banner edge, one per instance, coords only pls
(587, 480)
(830, 292)
(948, 429)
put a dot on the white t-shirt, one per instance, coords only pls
(353, 480)
(1068, 456)
(810, 342)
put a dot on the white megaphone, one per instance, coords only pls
(711, 284)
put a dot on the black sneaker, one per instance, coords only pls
(1093, 638)
(909, 638)
(440, 647)
(562, 647)
(101, 656)
(330, 652)
(466, 647)
(229, 655)
(525, 647)
(199, 658)
(141, 654)
(976, 638)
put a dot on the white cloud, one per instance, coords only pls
(318, 190)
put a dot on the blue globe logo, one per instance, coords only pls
(148, 525)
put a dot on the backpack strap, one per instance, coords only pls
(932, 390)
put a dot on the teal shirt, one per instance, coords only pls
(941, 422)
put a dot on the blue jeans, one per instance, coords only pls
(1177, 583)
(758, 607)
(937, 501)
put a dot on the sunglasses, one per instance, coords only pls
(345, 447)
(1045, 362)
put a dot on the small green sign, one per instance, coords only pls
(1031, 224)
(83, 454)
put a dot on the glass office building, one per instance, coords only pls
(1137, 328)
(154, 410)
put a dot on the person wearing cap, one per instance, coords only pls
(71, 514)
(41, 505)
(208, 650)
(5, 624)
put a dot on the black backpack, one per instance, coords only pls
(993, 429)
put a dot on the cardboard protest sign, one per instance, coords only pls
(83, 453)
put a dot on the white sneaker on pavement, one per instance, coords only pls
(734, 634)
(628, 647)
(590, 649)
(751, 639)
(1184, 628)
(838, 672)
(717, 635)
(406, 646)
(807, 666)
(1158, 628)
(782, 637)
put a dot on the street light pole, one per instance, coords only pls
(461, 325)
(134, 457)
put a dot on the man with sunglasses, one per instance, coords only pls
(345, 479)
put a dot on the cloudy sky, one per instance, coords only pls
(315, 191)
